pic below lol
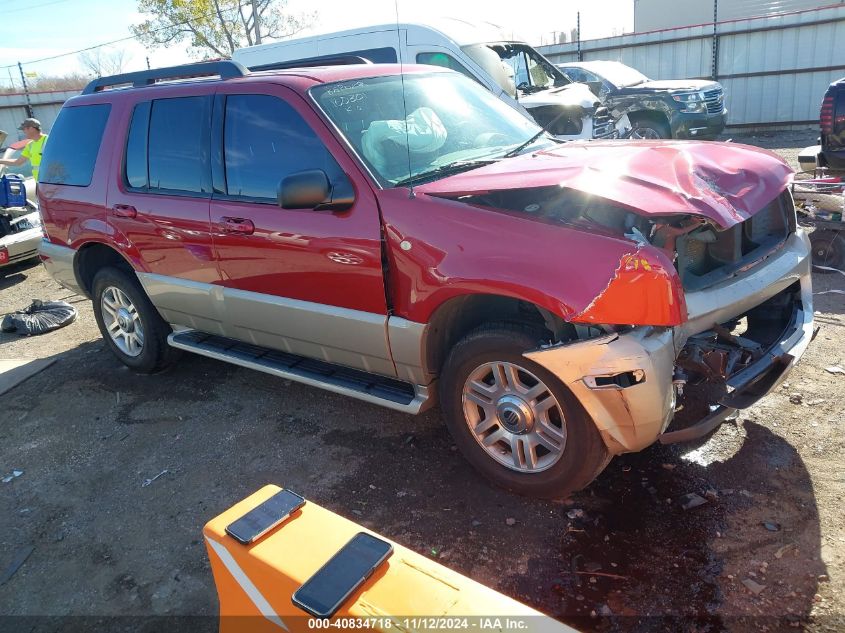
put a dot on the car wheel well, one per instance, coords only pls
(457, 317)
(648, 115)
(93, 257)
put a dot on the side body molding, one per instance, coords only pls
(353, 338)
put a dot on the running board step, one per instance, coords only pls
(388, 392)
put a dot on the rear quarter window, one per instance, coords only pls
(73, 145)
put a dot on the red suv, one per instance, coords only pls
(409, 239)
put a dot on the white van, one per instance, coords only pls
(512, 70)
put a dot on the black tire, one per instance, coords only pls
(828, 248)
(649, 129)
(155, 354)
(584, 454)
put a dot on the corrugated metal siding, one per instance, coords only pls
(809, 42)
(45, 107)
(650, 15)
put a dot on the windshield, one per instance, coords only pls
(617, 73)
(516, 66)
(446, 120)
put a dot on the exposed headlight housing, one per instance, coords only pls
(690, 101)
(688, 97)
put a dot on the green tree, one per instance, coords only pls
(215, 28)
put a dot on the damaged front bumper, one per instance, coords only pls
(628, 382)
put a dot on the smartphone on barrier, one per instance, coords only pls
(264, 517)
(324, 593)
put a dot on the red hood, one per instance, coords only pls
(724, 182)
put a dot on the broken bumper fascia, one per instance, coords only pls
(632, 417)
(628, 418)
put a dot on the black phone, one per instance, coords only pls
(324, 593)
(263, 518)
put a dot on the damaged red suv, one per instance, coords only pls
(411, 240)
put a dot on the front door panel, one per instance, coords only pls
(309, 282)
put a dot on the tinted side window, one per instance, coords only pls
(385, 55)
(574, 74)
(445, 60)
(265, 140)
(178, 144)
(72, 147)
(137, 175)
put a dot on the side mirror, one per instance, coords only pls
(310, 189)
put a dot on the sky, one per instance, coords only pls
(34, 29)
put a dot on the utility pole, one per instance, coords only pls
(578, 27)
(256, 21)
(29, 113)
(714, 65)
(148, 63)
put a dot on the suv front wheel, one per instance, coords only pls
(132, 328)
(514, 421)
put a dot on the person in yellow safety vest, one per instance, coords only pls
(33, 150)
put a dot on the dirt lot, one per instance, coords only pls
(87, 433)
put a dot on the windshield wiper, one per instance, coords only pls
(445, 170)
(516, 150)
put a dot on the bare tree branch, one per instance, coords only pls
(218, 27)
(223, 26)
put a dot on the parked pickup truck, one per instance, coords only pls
(409, 239)
(678, 108)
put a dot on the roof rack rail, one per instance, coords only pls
(310, 62)
(225, 69)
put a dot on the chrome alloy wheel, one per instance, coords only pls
(645, 133)
(122, 321)
(514, 416)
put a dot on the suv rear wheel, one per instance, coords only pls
(514, 421)
(130, 325)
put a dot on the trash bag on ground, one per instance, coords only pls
(39, 318)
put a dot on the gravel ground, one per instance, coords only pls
(86, 433)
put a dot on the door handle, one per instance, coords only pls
(124, 211)
(241, 226)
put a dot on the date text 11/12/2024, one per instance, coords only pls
(424, 623)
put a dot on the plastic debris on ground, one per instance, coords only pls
(14, 474)
(19, 559)
(692, 500)
(39, 318)
(147, 482)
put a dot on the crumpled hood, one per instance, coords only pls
(676, 84)
(574, 94)
(723, 182)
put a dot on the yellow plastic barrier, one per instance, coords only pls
(409, 592)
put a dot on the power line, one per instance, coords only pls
(81, 50)
(123, 39)
(35, 6)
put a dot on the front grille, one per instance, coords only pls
(705, 255)
(714, 99)
(603, 124)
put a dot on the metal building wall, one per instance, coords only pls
(45, 107)
(651, 15)
(774, 69)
